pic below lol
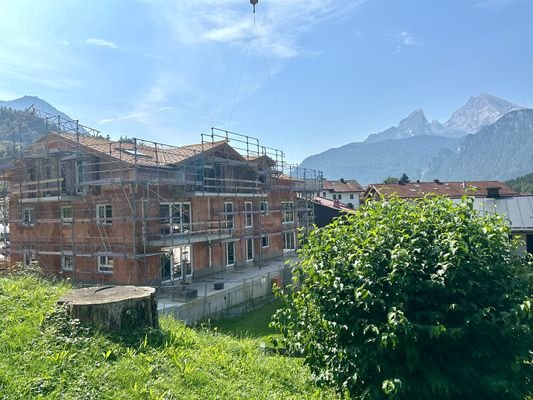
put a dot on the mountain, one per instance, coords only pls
(373, 162)
(415, 124)
(501, 151)
(421, 149)
(478, 112)
(26, 102)
(522, 184)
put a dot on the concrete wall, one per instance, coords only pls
(211, 304)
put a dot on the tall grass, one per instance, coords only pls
(43, 354)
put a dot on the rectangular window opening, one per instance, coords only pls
(248, 216)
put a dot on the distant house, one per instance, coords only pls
(413, 190)
(343, 190)
(326, 210)
(489, 196)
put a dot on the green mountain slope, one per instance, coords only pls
(373, 162)
(523, 184)
(499, 151)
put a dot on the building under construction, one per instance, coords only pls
(140, 212)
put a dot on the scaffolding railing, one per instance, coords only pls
(85, 163)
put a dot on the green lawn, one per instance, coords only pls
(253, 324)
(44, 355)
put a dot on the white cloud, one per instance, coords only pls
(404, 39)
(496, 4)
(101, 43)
(279, 23)
(407, 39)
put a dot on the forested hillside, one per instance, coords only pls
(523, 184)
(18, 127)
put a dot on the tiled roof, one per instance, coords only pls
(332, 204)
(146, 154)
(451, 189)
(342, 186)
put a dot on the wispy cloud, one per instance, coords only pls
(408, 39)
(497, 4)
(279, 23)
(403, 40)
(101, 43)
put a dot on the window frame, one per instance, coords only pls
(28, 258)
(30, 221)
(105, 267)
(263, 241)
(105, 220)
(229, 217)
(263, 207)
(250, 250)
(67, 220)
(233, 246)
(287, 213)
(64, 257)
(173, 223)
(248, 214)
(289, 244)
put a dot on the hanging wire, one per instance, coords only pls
(272, 88)
(240, 79)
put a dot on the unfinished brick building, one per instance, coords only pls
(140, 212)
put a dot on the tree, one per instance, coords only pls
(403, 179)
(425, 299)
(390, 179)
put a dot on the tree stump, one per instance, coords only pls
(113, 308)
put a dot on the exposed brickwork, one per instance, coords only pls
(114, 211)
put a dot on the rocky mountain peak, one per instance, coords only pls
(479, 111)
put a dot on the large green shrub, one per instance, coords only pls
(414, 300)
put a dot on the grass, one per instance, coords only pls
(45, 355)
(253, 324)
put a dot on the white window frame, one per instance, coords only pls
(105, 264)
(228, 215)
(339, 196)
(334, 197)
(30, 221)
(264, 207)
(324, 194)
(248, 214)
(104, 220)
(173, 223)
(287, 212)
(66, 220)
(228, 245)
(289, 241)
(265, 239)
(250, 246)
(351, 196)
(67, 265)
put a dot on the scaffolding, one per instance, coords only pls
(66, 181)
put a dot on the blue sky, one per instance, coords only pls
(308, 76)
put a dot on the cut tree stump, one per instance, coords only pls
(113, 308)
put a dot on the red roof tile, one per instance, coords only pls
(451, 189)
(342, 186)
(332, 204)
(145, 154)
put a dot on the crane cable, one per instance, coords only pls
(272, 88)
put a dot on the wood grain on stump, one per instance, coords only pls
(113, 308)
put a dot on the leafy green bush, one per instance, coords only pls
(416, 300)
